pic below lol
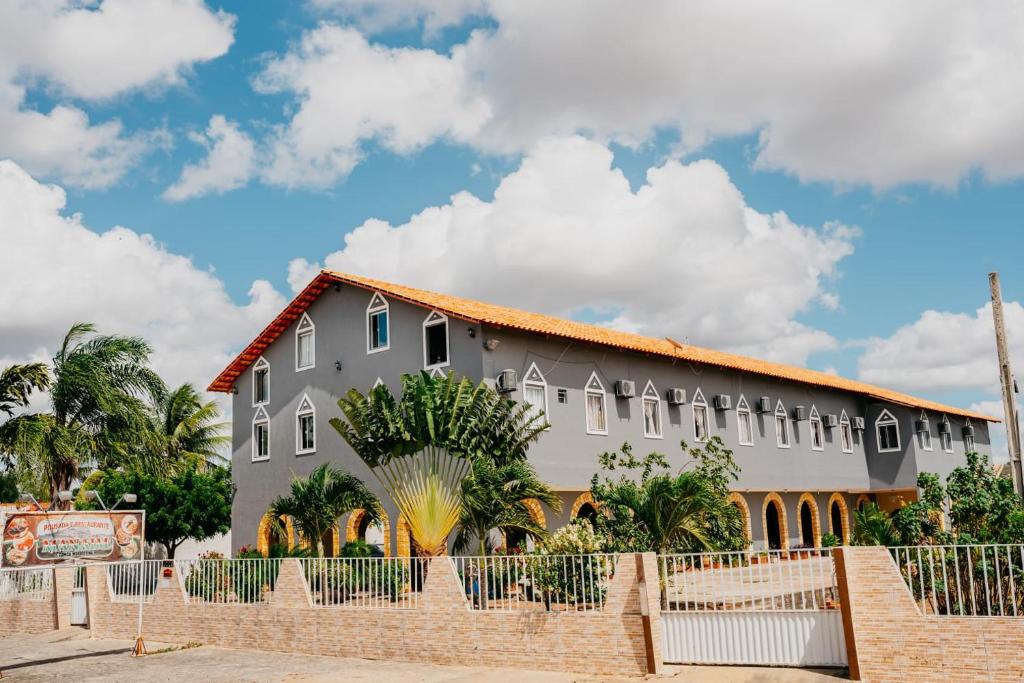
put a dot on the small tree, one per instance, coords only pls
(189, 504)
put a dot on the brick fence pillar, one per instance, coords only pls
(63, 586)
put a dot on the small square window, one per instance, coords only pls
(563, 395)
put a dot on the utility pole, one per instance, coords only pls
(1007, 382)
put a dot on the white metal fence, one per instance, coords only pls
(965, 580)
(564, 583)
(26, 584)
(375, 582)
(127, 581)
(228, 581)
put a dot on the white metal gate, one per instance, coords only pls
(79, 606)
(771, 608)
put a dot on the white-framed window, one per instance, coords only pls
(817, 431)
(744, 422)
(887, 432)
(435, 341)
(260, 435)
(781, 426)
(378, 325)
(597, 406)
(651, 403)
(968, 438)
(305, 344)
(700, 417)
(845, 433)
(535, 391)
(924, 436)
(305, 427)
(260, 382)
(946, 435)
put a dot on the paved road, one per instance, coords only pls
(71, 655)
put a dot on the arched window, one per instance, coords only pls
(378, 329)
(260, 382)
(597, 406)
(535, 391)
(887, 431)
(817, 432)
(946, 434)
(260, 435)
(744, 422)
(700, 417)
(305, 427)
(652, 411)
(924, 432)
(845, 433)
(781, 426)
(305, 344)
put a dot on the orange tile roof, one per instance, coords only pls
(503, 316)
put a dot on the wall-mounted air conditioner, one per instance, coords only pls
(625, 388)
(676, 397)
(831, 421)
(800, 413)
(944, 428)
(505, 382)
(764, 405)
(858, 423)
(968, 430)
(921, 425)
(723, 402)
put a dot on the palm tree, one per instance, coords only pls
(98, 415)
(421, 446)
(317, 501)
(873, 526)
(493, 497)
(674, 511)
(17, 382)
(186, 429)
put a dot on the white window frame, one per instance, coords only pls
(969, 440)
(303, 329)
(436, 318)
(378, 304)
(743, 409)
(260, 418)
(535, 378)
(305, 408)
(650, 395)
(783, 437)
(261, 364)
(814, 420)
(947, 438)
(924, 438)
(885, 419)
(700, 402)
(595, 387)
(845, 433)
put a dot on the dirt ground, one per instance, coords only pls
(71, 655)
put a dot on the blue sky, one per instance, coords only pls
(930, 199)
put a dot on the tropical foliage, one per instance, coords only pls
(421, 446)
(647, 508)
(317, 502)
(17, 383)
(191, 503)
(184, 428)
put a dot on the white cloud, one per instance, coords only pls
(682, 256)
(227, 166)
(378, 15)
(350, 91)
(57, 272)
(94, 51)
(868, 92)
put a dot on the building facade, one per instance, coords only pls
(811, 446)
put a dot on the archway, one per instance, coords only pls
(839, 518)
(862, 500)
(808, 521)
(774, 525)
(584, 506)
(806, 524)
(267, 535)
(359, 528)
(741, 503)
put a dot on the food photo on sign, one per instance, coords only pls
(32, 538)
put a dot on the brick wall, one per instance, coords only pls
(889, 639)
(441, 630)
(28, 616)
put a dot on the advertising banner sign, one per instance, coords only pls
(45, 538)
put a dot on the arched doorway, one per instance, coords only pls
(359, 528)
(806, 524)
(773, 526)
(741, 504)
(839, 518)
(588, 512)
(836, 519)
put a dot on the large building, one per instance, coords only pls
(812, 446)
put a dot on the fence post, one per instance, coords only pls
(650, 608)
(839, 559)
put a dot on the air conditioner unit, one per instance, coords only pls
(968, 430)
(800, 413)
(723, 402)
(625, 388)
(921, 425)
(831, 421)
(858, 423)
(764, 405)
(505, 382)
(944, 428)
(676, 397)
